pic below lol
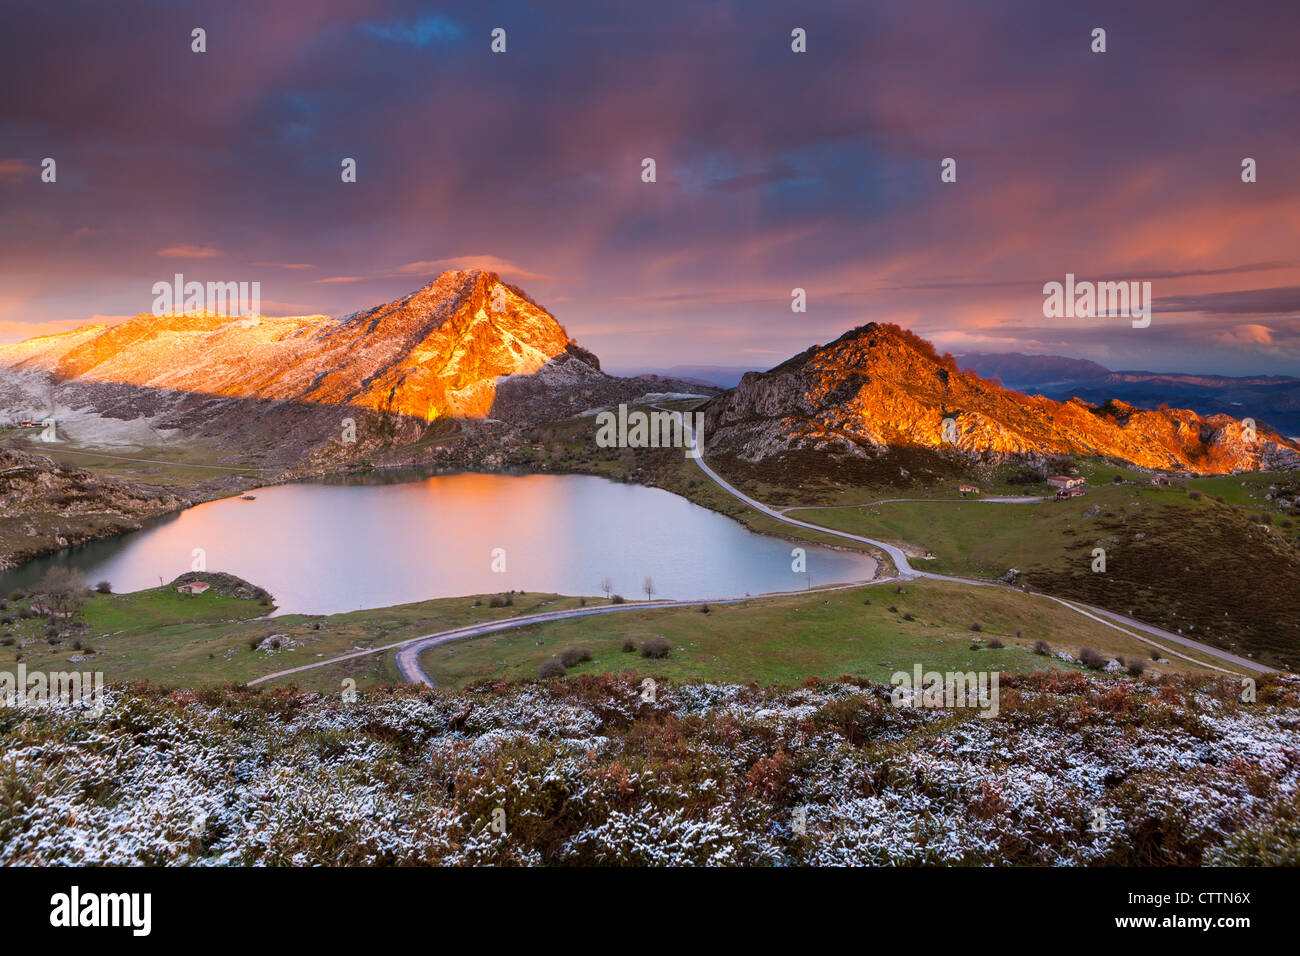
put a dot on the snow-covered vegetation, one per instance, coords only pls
(1074, 769)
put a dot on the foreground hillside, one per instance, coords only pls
(1072, 770)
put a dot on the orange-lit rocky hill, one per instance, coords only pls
(436, 352)
(879, 386)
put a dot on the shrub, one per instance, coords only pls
(704, 609)
(1042, 647)
(51, 631)
(1155, 654)
(893, 609)
(572, 656)
(253, 642)
(867, 601)
(104, 587)
(617, 599)
(6, 620)
(656, 647)
(7, 641)
(976, 626)
(909, 616)
(629, 645)
(1091, 658)
(995, 642)
(551, 668)
(502, 600)
(1136, 666)
(76, 645)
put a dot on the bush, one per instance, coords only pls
(629, 645)
(6, 620)
(502, 600)
(704, 609)
(7, 641)
(995, 643)
(1091, 658)
(51, 631)
(976, 626)
(572, 656)
(253, 642)
(552, 668)
(1155, 654)
(893, 609)
(656, 647)
(1136, 666)
(617, 599)
(909, 616)
(104, 587)
(1042, 647)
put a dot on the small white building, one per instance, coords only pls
(192, 587)
(1065, 481)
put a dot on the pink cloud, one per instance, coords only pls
(186, 251)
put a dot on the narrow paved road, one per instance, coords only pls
(409, 650)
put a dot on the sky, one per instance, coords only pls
(775, 170)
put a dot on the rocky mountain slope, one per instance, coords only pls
(435, 352)
(879, 387)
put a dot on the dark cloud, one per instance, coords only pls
(1284, 300)
(775, 169)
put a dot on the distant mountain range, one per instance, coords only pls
(1274, 399)
(472, 353)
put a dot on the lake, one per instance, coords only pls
(322, 548)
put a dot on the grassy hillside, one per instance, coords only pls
(1181, 560)
(788, 639)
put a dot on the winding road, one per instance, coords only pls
(408, 651)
